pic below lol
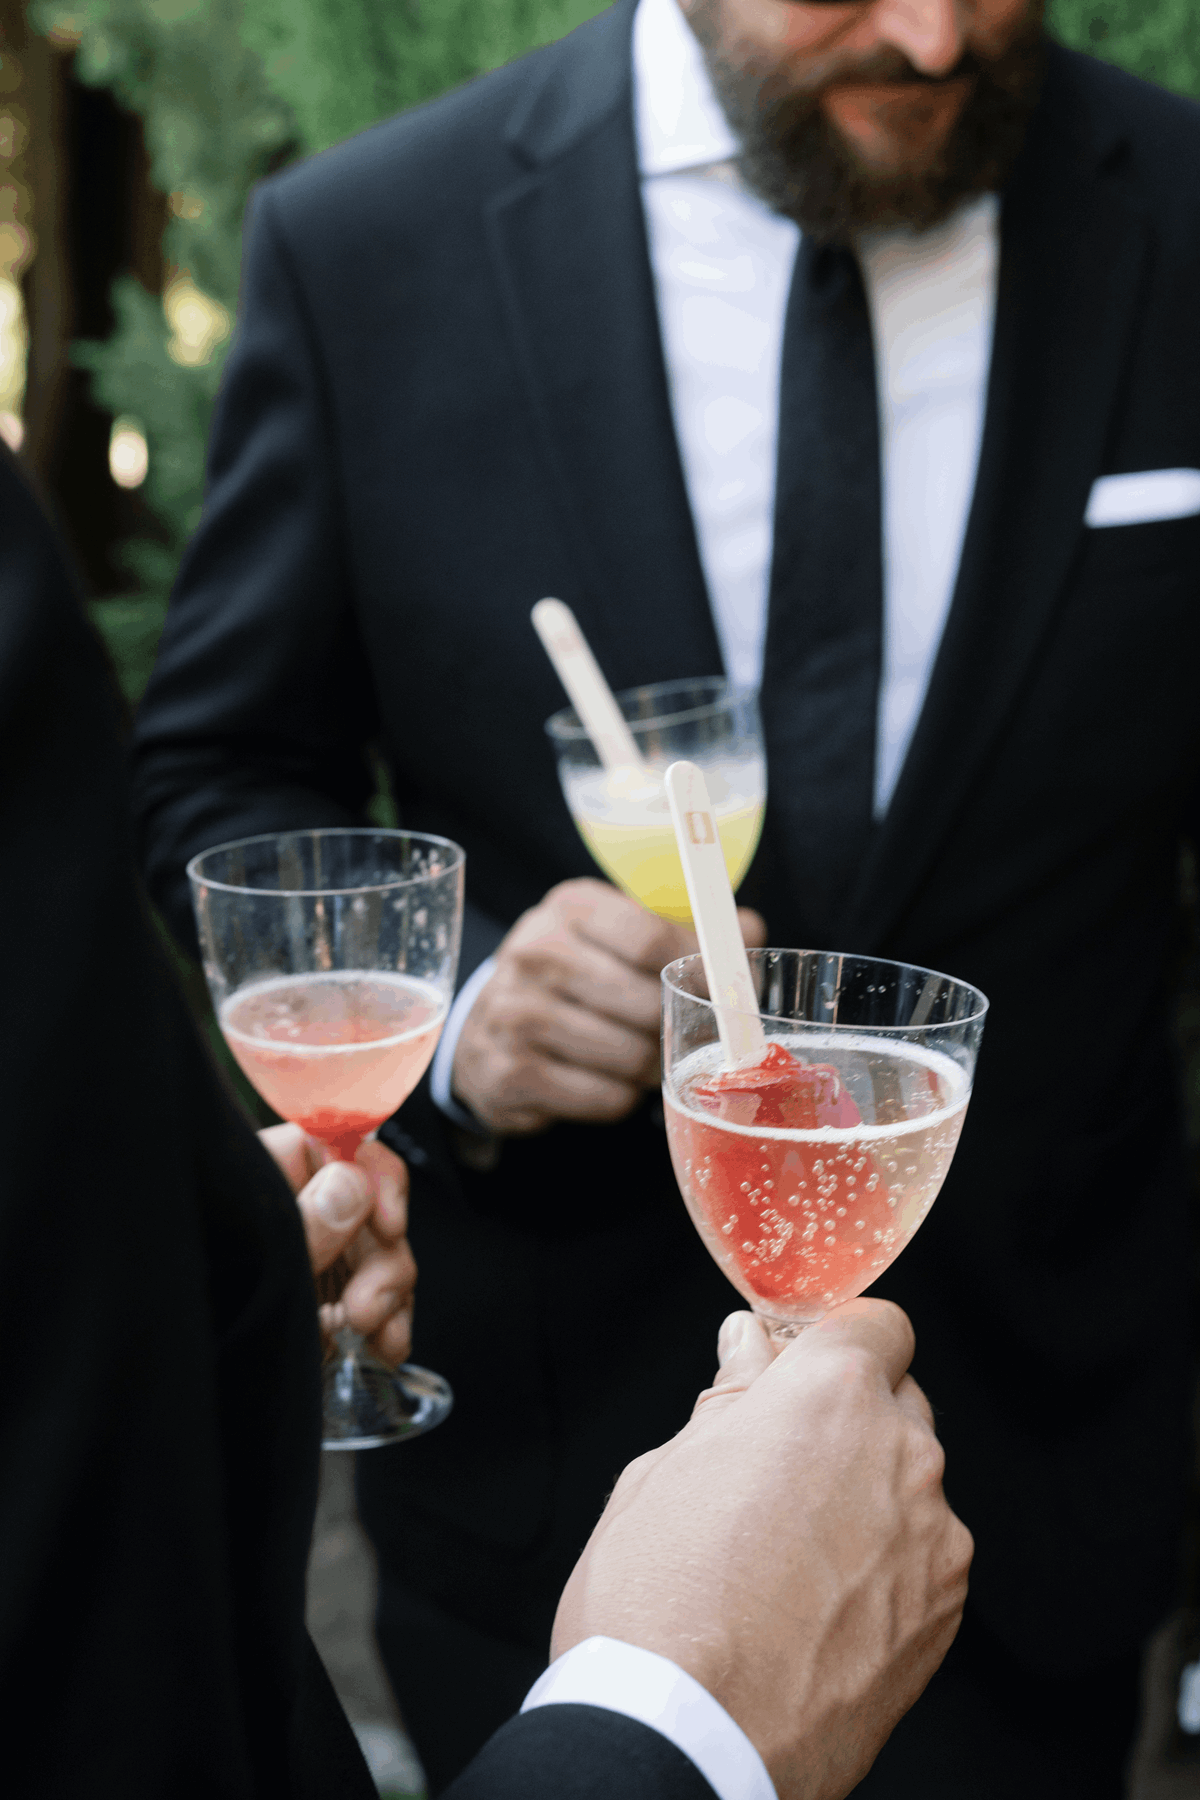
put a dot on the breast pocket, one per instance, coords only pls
(1156, 547)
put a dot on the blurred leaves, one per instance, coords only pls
(130, 629)
(1156, 39)
(213, 126)
(133, 372)
(345, 64)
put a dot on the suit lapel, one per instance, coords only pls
(569, 245)
(1073, 247)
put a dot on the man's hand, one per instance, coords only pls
(791, 1548)
(568, 1026)
(357, 1211)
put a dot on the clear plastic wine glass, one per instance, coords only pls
(331, 958)
(622, 814)
(807, 1174)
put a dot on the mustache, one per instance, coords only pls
(783, 107)
(886, 67)
(891, 68)
(795, 156)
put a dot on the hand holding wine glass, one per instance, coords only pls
(568, 1027)
(819, 1576)
(354, 1213)
(331, 958)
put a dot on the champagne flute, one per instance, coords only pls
(331, 958)
(808, 1170)
(622, 812)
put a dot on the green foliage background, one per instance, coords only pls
(1156, 39)
(345, 64)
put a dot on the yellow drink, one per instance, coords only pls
(625, 821)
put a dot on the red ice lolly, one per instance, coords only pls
(779, 1092)
(799, 1216)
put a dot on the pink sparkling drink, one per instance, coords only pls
(336, 1053)
(801, 1203)
(331, 955)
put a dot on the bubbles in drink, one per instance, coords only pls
(809, 1173)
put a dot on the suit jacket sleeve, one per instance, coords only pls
(261, 700)
(159, 1417)
(579, 1753)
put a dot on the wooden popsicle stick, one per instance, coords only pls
(714, 914)
(589, 693)
(925, 1000)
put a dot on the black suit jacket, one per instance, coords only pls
(578, 1753)
(447, 399)
(160, 1412)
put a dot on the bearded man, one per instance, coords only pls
(851, 348)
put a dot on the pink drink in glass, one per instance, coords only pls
(801, 1203)
(335, 1053)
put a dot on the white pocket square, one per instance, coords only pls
(1142, 499)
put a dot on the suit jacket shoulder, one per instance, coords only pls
(1120, 100)
(463, 145)
(579, 1753)
(1109, 112)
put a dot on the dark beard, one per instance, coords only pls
(802, 166)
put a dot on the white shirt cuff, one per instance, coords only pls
(622, 1678)
(442, 1068)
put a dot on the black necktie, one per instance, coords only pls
(822, 654)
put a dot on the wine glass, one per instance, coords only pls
(331, 958)
(808, 1173)
(622, 813)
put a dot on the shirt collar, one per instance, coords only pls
(679, 120)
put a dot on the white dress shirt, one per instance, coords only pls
(722, 264)
(622, 1678)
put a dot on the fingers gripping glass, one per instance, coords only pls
(331, 958)
(807, 1174)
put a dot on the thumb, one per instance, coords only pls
(744, 1352)
(333, 1208)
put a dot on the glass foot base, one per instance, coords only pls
(367, 1405)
